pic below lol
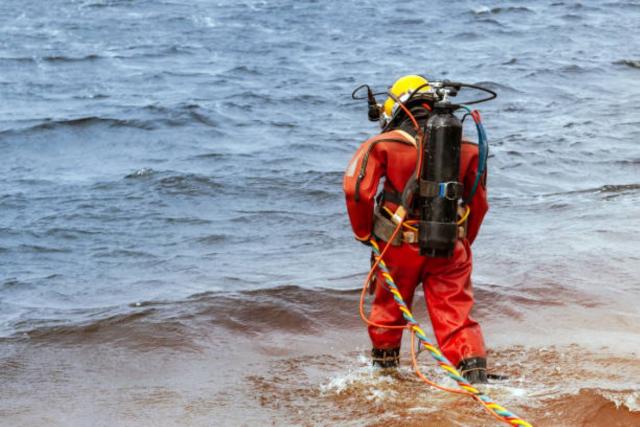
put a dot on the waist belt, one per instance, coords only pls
(383, 229)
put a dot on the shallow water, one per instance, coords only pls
(173, 241)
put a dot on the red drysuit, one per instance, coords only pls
(446, 281)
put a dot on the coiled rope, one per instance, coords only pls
(499, 412)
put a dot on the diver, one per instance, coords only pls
(391, 157)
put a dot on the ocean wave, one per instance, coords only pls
(153, 51)
(78, 123)
(13, 283)
(69, 233)
(466, 35)
(242, 70)
(202, 118)
(122, 253)
(141, 173)
(106, 3)
(173, 183)
(176, 323)
(562, 70)
(294, 308)
(309, 180)
(483, 10)
(607, 190)
(627, 162)
(40, 249)
(52, 58)
(618, 188)
(633, 63)
(19, 59)
(149, 117)
(212, 155)
(63, 58)
(135, 330)
(180, 114)
(572, 17)
(280, 308)
(212, 239)
(491, 21)
(406, 21)
(622, 5)
(511, 301)
(189, 185)
(190, 220)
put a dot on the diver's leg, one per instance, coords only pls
(403, 263)
(449, 298)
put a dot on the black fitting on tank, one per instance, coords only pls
(374, 108)
(439, 186)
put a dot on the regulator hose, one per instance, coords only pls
(483, 148)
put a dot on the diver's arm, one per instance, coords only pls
(360, 185)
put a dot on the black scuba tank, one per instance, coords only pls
(439, 189)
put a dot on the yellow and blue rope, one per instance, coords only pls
(500, 412)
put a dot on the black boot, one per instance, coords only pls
(385, 357)
(474, 370)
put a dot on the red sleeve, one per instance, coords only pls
(360, 185)
(478, 204)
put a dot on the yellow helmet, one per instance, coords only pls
(402, 89)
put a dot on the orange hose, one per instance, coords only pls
(414, 358)
(411, 116)
(363, 294)
(419, 133)
(416, 368)
(419, 137)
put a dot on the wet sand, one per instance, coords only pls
(308, 366)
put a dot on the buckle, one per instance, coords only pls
(410, 237)
(451, 190)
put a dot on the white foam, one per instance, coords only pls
(482, 9)
(365, 375)
(633, 401)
